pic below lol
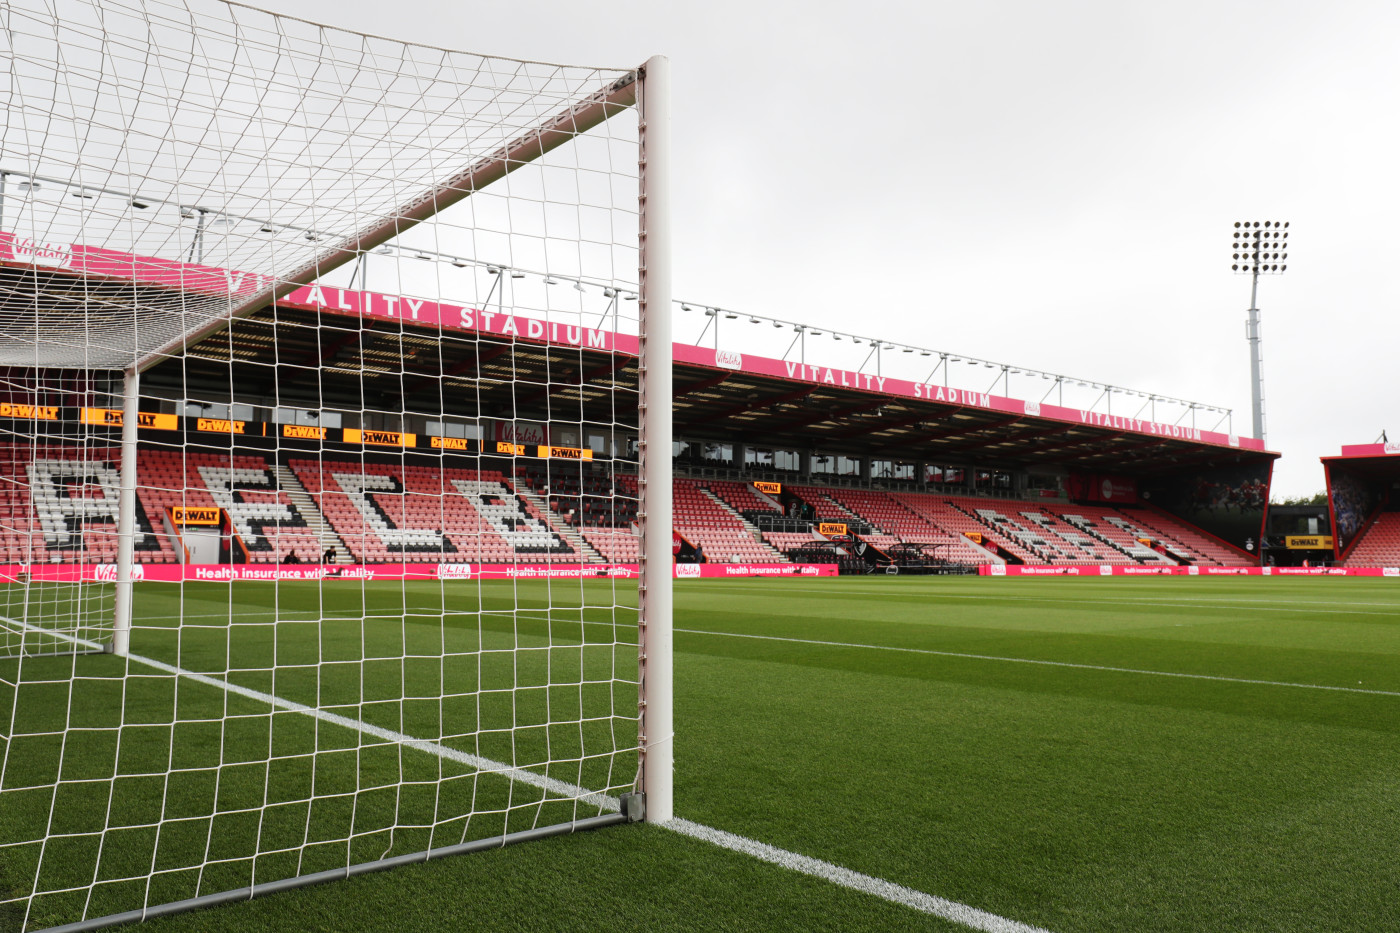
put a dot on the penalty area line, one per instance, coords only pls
(1070, 664)
(962, 914)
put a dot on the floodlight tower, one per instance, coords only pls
(1259, 249)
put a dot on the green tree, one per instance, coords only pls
(1317, 498)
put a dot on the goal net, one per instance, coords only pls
(325, 492)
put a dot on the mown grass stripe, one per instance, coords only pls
(1042, 662)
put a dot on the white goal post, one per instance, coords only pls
(335, 454)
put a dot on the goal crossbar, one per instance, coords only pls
(535, 143)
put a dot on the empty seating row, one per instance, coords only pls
(1379, 545)
(700, 519)
(390, 512)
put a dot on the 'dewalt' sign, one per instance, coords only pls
(304, 432)
(565, 453)
(1308, 542)
(28, 412)
(831, 529)
(380, 438)
(183, 515)
(112, 418)
(772, 489)
(221, 425)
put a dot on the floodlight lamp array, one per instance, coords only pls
(1260, 248)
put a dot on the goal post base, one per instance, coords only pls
(61, 654)
(339, 874)
(633, 806)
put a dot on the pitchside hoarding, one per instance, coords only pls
(227, 573)
(1118, 570)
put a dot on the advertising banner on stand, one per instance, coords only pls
(1113, 570)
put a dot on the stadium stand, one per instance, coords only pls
(386, 512)
(871, 513)
(1075, 547)
(1181, 539)
(789, 541)
(57, 504)
(741, 497)
(245, 487)
(1114, 532)
(1379, 545)
(946, 513)
(703, 519)
(598, 507)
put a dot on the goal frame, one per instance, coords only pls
(648, 89)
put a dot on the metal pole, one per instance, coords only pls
(1256, 377)
(126, 514)
(654, 446)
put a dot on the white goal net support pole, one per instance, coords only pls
(654, 596)
(120, 644)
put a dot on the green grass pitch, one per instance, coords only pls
(890, 726)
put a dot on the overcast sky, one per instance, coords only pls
(1047, 185)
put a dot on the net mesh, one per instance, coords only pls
(216, 148)
(383, 298)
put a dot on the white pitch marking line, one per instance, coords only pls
(1139, 601)
(887, 890)
(967, 916)
(1321, 609)
(1071, 664)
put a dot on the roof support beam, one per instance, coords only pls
(703, 384)
(955, 431)
(1059, 449)
(616, 363)
(1013, 438)
(823, 417)
(886, 426)
(468, 365)
(286, 376)
(752, 404)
